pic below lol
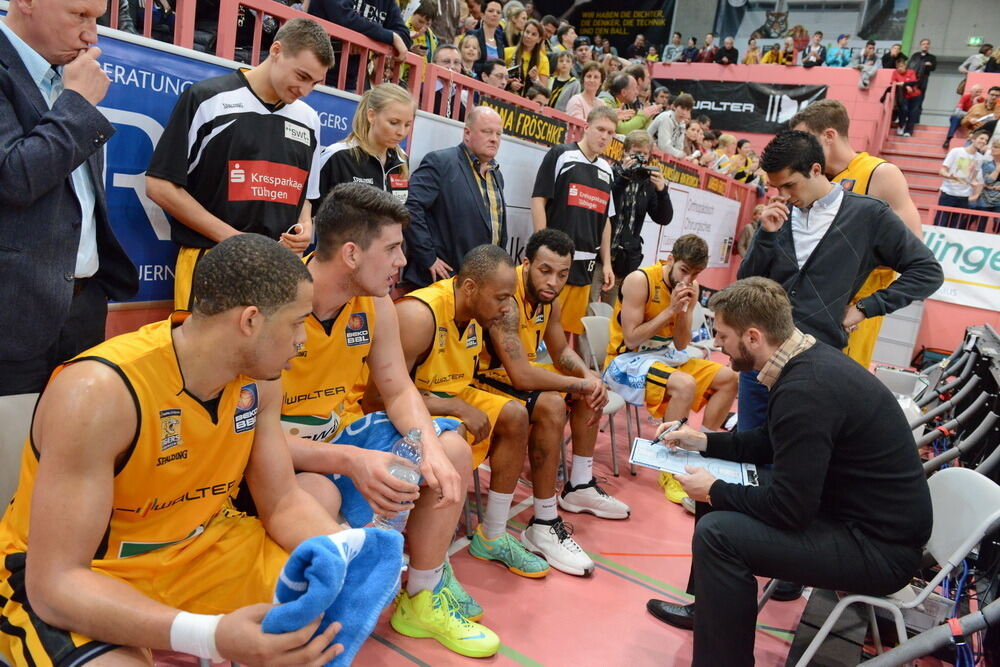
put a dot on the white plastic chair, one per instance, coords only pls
(966, 507)
(601, 309)
(702, 317)
(594, 344)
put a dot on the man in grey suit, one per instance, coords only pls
(456, 202)
(59, 260)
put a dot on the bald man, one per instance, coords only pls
(456, 201)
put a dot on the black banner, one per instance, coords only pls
(524, 124)
(760, 108)
(618, 21)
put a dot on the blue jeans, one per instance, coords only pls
(909, 113)
(954, 122)
(751, 402)
(950, 218)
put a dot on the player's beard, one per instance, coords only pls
(742, 361)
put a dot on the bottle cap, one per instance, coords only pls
(414, 434)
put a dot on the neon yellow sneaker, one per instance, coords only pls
(672, 489)
(508, 551)
(436, 615)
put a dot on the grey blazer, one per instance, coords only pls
(39, 212)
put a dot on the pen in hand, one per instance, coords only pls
(671, 429)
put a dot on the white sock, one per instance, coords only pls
(582, 471)
(423, 580)
(545, 508)
(495, 518)
(705, 430)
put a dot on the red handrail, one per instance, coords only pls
(970, 219)
(884, 124)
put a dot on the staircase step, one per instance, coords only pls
(922, 152)
(918, 179)
(915, 142)
(935, 130)
(915, 164)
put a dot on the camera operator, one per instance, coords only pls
(638, 190)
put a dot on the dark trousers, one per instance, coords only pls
(729, 548)
(751, 402)
(83, 328)
(950, 218)
(909, 113)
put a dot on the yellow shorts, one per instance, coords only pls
(861, 341)
(489, 403)
(232, 564)
(574, 300)
(703, 372)
(187, 259)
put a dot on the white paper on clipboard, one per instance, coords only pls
(648, 454)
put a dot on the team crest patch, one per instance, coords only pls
(472, 339)
(170, 429)
(246, 409)
(357, 330)
(442, 337)
(848, 184)
(656, 294)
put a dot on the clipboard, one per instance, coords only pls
(652, 455)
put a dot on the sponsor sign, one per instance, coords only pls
(746, 106)
(583, 196)
(971, 265)
(526, 124)
(357, 330)
(246, 409)
(262, 180)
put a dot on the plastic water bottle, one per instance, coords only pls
(408, 447)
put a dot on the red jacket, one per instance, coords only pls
(909, 77)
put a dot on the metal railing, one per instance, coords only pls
(970, 219)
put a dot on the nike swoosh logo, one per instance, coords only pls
(479, 636)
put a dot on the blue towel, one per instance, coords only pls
(374, 431)
(348, 577)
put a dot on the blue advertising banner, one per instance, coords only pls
(146, 79)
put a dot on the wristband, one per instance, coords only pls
(194, 634)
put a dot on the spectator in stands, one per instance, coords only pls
(705, 121)
(728, 54)
(528, 57)
(495, 73)
(983, 115)
(638, 190)
(645, 96)
(788, 52)
(993, 64)
(709, 143)
(963, 178)
(447, 56)
(60, 259)
(637, 49)
(694, 137)
(529, 7)
(724, 154)
(652, 55)
(581, 104)
(840, 55)
(707, 52)
(379, 20)
(517, 18)
(673, 51)
(551, 25)
(639, 72)
(773, 55)
(907, 97)
(475, 9)
(889, 58)
(609, 65)
(815, 53)
(448, 25)
(423, 41)
(661, 96)
(853, 518)
(747, 233)
(564, 170)
(608, 48)
(669, 128)
(690, 53)
(620, 95)
(456, 201)
(492, 40)
(468, 48)
(371, 153)
(538, 94)
(977, 61)
(740, 160)
(923, 62)
(583, 52)
(965, 102)
(565, 38)
(183, 176)
(469, 25)
(563, 82)
(989, 198)
(867, 63)
(752, 56)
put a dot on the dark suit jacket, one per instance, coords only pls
(39, 212)
(448, 216)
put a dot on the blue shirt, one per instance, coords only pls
(45, 77)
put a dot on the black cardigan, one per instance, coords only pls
(864, 235)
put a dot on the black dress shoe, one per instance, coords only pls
(786, 591)
(678, 615)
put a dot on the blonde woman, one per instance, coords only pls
(517, 18)
(371, 152)
(529, 56)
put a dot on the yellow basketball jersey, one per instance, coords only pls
(450, 364)
(318, 398)
(657, 300)
(856, 177)
(184, 461)
(530, 328)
